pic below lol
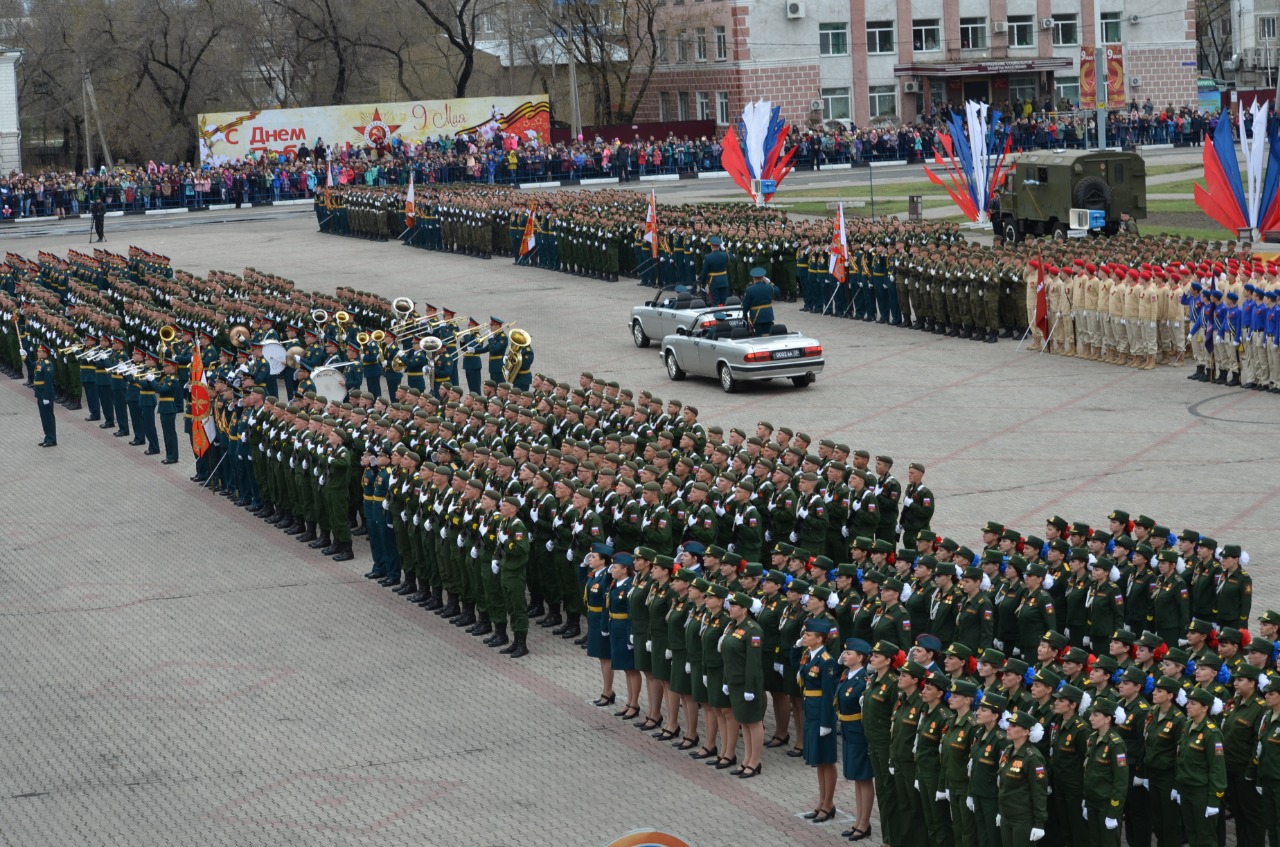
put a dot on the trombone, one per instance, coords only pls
(482, 337)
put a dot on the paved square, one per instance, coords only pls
(179, 673)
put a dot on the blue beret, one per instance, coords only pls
(818, 625)
(1195, 286)
(1217, 292)
(602, 549)
(1231, 295)
(857, 645)
(694, 547)
(624, 559)
(930, 642)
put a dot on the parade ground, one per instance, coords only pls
(179, 673)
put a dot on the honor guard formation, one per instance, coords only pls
(1138, 301)
(764, 593)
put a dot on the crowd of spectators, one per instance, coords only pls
(506, 159)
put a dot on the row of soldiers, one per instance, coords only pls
(1129, 300)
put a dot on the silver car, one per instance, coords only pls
(670, 308)
(718, 343)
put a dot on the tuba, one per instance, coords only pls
(167, 336)
(518, 339)
(362, 338)
(403, 307)
(377, 336)
(430, 345)
(319, 317)
(341, 318)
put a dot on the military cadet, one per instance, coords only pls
(917, 503)
(659, 598)
(1035, 613)
(890, 621)
(1023, 784)
(1106, 774)
(1200, 781)
(1234, 589)
(1105, 602)
(985, 757)
(42, 381)
(1241, 739)
(147, 402)
(879, 704)
(742, 651)
(1163, 732)
(168, 393)
(334, 482)
(496, 347)
(864, 508)
(1269, 758)
(595, 593)
(1068, 738)
(902, 758)
(621, 638)
(714, 278)
(930, 777)
(975, 615)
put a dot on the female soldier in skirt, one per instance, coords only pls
(855, 755)
(817, 676)
(742, 649)
(680, 686)
(693, 664)
(621, 648)
(657, 603)
(773, 601)
(790, 628)
(595, 596)
(714, 621)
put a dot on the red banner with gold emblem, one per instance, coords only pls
(1088, 79)
(199, 405)
(1115, 77)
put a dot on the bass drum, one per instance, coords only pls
(274, 353)
(329, 384)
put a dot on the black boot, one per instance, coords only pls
(434, 602)
(299, 526)
(1234, 381)
(410, 586)
(468, 616)
(482, 626)
(450, 610)
(309, 537)
(992, 338)
(535, 608)
(552, 618)
(499, 637)
(572, 629)
(519, 647)
(344, 553)
(332, 546)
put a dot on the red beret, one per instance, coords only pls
(1134, 273)
(1091, 268)
(1079, 263)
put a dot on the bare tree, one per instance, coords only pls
(1213, 36)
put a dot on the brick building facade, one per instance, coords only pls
(892, 60)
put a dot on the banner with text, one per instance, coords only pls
(1088, 79)
(227, 136)
(1115, 77)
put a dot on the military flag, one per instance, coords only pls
(202, 430)
(528, 240)
(838, 253)
(651, 225)
(408, 204)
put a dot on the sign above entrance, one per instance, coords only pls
(1011, 66)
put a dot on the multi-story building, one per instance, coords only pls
(893, 60)
(1239, 45)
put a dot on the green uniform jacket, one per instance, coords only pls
(1269, 749)
(984, 761)
(1235, 598)
(902, 732)
(1023, 786)
(1068, 752)
(957, 744)
(742, 650)
(1240, 736)
(514, 545)
(1201, 762)
(929, 732)
(1106, 773)
(1162, 735)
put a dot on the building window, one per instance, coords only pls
(884, 100)
(1068, 88)
(1267, 28)
(1022, 31)
(879, 36)
(722, 44)
(973, 33)
(682, 106)
(486, 24)
(700, 45)
(662, 47)
(682, 46)
(664, 105)
(925, 35)
(833, 39)
(1066, 30)
(1110, 27)
(835, 103)
(704, 106)
(722, 108)
(1022, 88)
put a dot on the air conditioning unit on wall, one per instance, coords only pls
(795, 9)
(1135, 82)
(999, 26)
(1046, 23)
(910, 86)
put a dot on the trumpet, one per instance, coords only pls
(431, 325)
(72, 349)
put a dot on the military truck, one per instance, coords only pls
(1069, 193)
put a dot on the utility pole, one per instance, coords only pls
(88, 135)
(97, 119)
(1100, 59)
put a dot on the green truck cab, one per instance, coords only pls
(1069, 192)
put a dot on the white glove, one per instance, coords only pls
(939, 795)
(1137, 782)
(47, 402)
(631, 641)
(494, 567)
(997, 821)
(666, 654)
(777, 667)
(968, 803)
(793, 538)
(1087, 641)
(725, 689)
(568, 555)
(998, 644)
(1084, 810)
(1111, 823)
(648, 646)
(704, 679)
(751, 695)
(916, 785)
(844, 532)
(1210, 812)
(893, 770)
(473, 552)
(688, 668)
(1175, 796)
(550, 546)
(1259, 789)
(826, 730)
(1036, 834)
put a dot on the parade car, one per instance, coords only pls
(717, 343)
(670, 308)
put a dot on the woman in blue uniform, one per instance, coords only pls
(595, 595)
(817, 674)
(621, 651)
(855, 756)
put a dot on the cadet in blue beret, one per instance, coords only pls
(596, 596)
(818, 674)
(855, 755)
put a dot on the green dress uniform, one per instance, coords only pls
(1235, 598)
(677, 622)
(712, 627)
(514, 546)
(748, 533)
(878, 704)
(928, 757)
(1067, 757)
(1163, 735)
(892, 623)
(742, 651)
(772, 658)
(1105, 602)
(1106, 786)
(638, 604)
(335, 484)
(1023, 794)
(693, 653)
(1240, 738)
(658, 603)
(984, 768)
(975, 621)
(1171, 604)
(1137, 807)
(1269, 774)
(902, 765)
(1200, 781)
(957, 744)
(1035, 617)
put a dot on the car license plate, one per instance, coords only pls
(787, 354)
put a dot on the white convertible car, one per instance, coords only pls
(716, 342)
